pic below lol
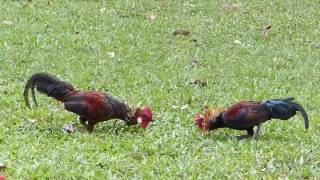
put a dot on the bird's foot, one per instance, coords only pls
(83, 121)
(256, 134)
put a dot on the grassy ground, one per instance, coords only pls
(75, 40)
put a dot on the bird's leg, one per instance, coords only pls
(112, 127)
(250, 134)
(83, 121)
(127, 126)
(90, 126)
(256, 134)
(114, 124)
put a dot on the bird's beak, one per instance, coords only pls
(139, 120)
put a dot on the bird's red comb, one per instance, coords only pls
(199, 120)
(147, 111)
(147, 116)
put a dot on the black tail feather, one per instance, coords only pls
(303, 113)
(283, 99)
(285, 108)
(46, 84)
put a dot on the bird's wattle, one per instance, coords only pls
(145, 116)
(199, 120)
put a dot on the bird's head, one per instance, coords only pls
(144, 116)
(199, 120)
(206, 121)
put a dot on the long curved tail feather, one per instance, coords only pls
(46, 84)
(285, 108)
(303, 113)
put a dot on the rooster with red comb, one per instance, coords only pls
(91, 106)
(246, 115)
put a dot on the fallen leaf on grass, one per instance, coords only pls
(317, 46)
(237, 42)
(198, 82)
(231, 5)
(102, 10)
(183, 108)
(265, 30)
(69, 127)
(181, 32)
(7, 22)
(194, 62)
(32, 120)
(152, 17)
(111, 54)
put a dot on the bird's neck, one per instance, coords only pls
(131, 116)
(122, 111)
(216, 122)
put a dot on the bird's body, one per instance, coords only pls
(91, 106)
(245, 115)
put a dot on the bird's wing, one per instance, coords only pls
(78, 106)
(246, 114)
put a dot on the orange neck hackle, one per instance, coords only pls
(207, 119)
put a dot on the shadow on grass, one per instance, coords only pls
(225, 137)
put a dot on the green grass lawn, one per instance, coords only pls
(75, 40)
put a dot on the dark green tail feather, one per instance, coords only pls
(282, 108)
(303, 113)
(46, 84)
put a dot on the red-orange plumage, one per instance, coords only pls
(91, 106)
(97, 104)
(245, 115)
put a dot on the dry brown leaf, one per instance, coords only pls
(181, 32)
(69, 127)
(265, 30)
(198, 82)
